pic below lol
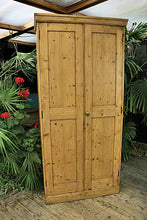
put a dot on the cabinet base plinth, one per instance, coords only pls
(81, 195)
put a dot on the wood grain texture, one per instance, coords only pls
(80, 105)
(81, 195)
(43, 84)
(74, 19)
(62, 107)
(11, 27)
(22, 42)
(104, 50)
(88, 105)
(81, 93)
(62, 69)
(102, 147)
(63, 134)
(129, 204)
(103, 96)
(119, 107)
(44, 5)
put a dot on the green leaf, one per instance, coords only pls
(30, 175)
(20, 106)
(129, 133)
(18, 129)
(26, 115)
(3, 124)
(16, 121)
(19, 115)
(9, 95)
(30, 149)
(138, 95)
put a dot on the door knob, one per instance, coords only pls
(87, 113)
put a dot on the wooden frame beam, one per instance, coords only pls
(16, 28)
(11, 27)
(15, 33)
(83, 4)
(22, 42)
(30, 27)
(42, 4)
(6, 34)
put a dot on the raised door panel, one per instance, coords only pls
(102, 147)
(62, 80)
(103, 100)
(103, 62)
(61, 107)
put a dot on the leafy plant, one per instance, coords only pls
(135, 85)
(9, 185)
(9, 97)
(129, 133)
(22, 62)
(31, 169)
(137, 100)
(8, 152)
(136, 33)
(20, 150)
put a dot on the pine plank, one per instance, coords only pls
(88, 106)
(44, 105)
(80, 88)
(61, 87)
(130, 203)
(74, 19)
(119, 112)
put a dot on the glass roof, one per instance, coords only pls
(134, 10)
(3, 31)
(64, 3)
(18, 14)
(26, 37)
(15, 13)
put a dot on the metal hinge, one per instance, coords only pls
(121, 109)
(39, 34)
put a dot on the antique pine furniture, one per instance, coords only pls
(80, 86)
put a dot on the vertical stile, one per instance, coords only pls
(44, 108)
(88, 105)
(79, 105)
(119, 115)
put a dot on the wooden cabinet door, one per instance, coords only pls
(60, 83)
(103, 104)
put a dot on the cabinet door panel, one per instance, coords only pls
(102, 147)
(104, 63)
(60, 78)
(103, 100)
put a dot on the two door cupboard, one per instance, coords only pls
(80, 86)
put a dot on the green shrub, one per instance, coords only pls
(135, 86)
(20, 149)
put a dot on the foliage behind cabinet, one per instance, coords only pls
(80, 83)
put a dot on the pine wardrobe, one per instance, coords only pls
(80, 85)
